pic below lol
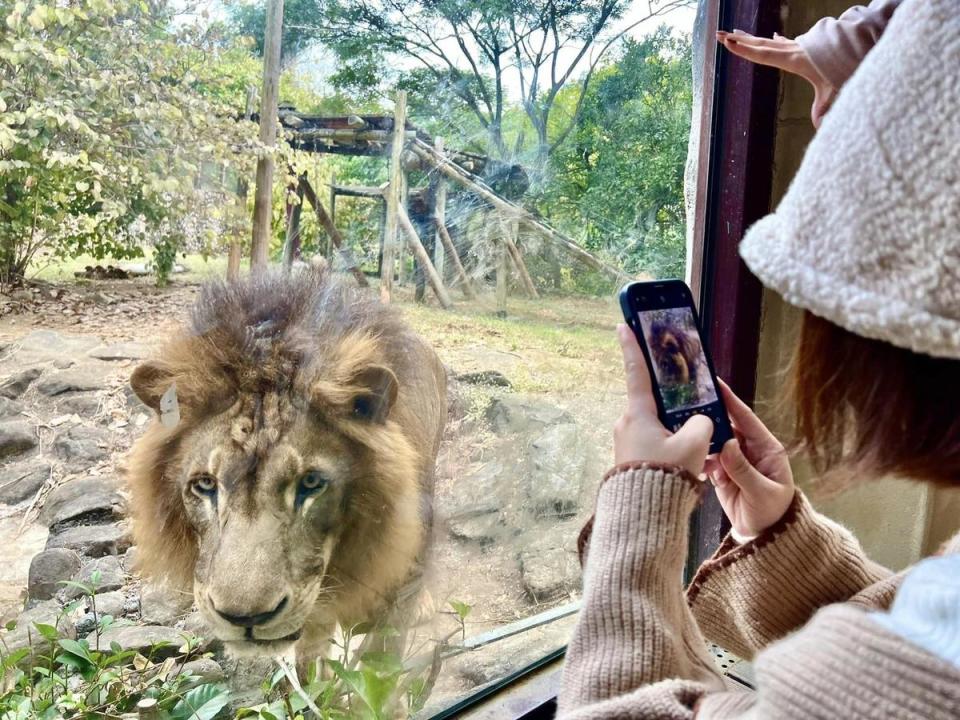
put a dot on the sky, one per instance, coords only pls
(317, 65)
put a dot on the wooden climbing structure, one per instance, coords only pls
(416, 219)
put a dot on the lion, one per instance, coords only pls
(676, 354)
(293, 492)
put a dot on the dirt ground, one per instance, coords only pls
(559, 352)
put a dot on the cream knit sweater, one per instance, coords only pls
(796, 599)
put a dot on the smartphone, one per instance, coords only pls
(662, 316)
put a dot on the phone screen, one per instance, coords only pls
(676, 354)
(662, 315)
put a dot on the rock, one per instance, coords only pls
(86, 405)
(16, 437)
(92, 540)
(63, 363)
(25, 634)
(48, 570)
(109, 603)
(493, 378)
(204, 669)
(473, 512)
(547, 569)
(9, 409)
(86, 624)
(163, 606)
(51, 345)
(82, 377)
(154, 641)
(21, 481)
(558, 461)
(120, 351)
(89, 501)
(14, 386)
(512, 414)
(82, 443)
(110, 572)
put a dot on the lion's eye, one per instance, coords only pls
(312, 482)
(203, 485)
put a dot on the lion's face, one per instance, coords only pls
(671, 353)
(266, 523)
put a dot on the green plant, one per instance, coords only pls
(57, 676)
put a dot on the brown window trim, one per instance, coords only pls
(746, 99)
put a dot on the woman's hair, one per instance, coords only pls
(867, 407)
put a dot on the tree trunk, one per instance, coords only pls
(263, 194)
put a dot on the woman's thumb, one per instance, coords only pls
(738, 467)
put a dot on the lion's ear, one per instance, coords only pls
(377, 389)
(150, 381)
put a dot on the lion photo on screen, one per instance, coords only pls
(287, 479)
(676, 353)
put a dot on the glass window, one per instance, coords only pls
(546, 152)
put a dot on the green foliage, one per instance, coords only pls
(108, 119)
(58, 676)
(619, 177)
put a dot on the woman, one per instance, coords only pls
(867, 242)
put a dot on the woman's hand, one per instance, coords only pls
(639, 435)
(752, 473)
(786, 55)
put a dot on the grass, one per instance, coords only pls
(198, 267)
(553, 344)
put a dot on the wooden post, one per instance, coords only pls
(333, 198)
(393, 196)
(291, 243)
(403, 275)
(233, 260)
(510, 235)
(447, 242)
(440, 214)
(263, 193)
(417, 248)
(503, 270)
(332, 231)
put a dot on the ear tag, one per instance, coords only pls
(170, 408)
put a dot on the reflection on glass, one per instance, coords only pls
(363, 509)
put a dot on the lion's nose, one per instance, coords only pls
(249, 621)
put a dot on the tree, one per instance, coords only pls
(110, 135)
(300, 25)
(618, 180)
(476, 49)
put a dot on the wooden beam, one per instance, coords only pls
(511, 232)
(263, 194)
(393, 196)
(452, 254)
(291, 242)
(475, 186)
(332, 231)
(439, 184)
(417, 248)
(503, 276)
(333, 198)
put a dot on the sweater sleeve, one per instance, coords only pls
(747, 596)
(837, 45)
(636, 644)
